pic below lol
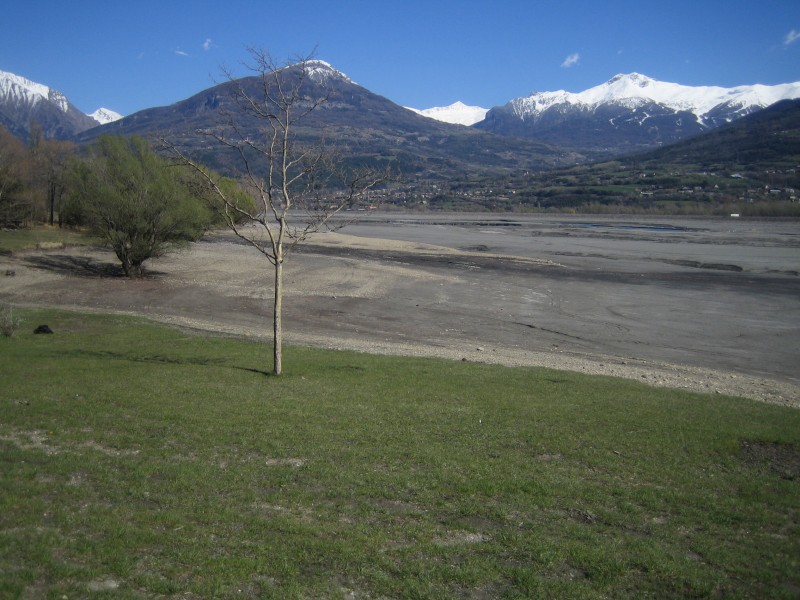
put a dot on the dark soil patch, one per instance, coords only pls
(780, 458)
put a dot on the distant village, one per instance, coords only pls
(543, 190)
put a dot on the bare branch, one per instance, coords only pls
(289, 180)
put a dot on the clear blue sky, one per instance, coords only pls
(135, 54)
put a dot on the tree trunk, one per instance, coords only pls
(52, 202)
(277, 310)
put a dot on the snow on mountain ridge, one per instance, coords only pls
(15, 87)
(105, 115)
(320, 71)
(457, 113)
(634, 90)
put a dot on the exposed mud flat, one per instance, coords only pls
(704, 304)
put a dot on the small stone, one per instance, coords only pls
(102, 585)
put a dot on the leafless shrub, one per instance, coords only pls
(8, 322)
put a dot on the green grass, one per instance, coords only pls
(140, 461)
(33, 237)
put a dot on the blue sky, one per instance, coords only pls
(129, 55)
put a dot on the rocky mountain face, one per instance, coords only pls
(23, 101)
(765, 141)
(363, 127)
(629, 113)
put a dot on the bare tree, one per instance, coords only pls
(50, 159)
(289, 181)
(16, 204)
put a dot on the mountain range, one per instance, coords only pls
(629, 113)
(23, 101)
(363, 127)
(766, 142)
(626, 114)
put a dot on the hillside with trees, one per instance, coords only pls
(749, 167)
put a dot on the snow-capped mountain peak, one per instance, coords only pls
(320, 72)
(14, 87)
(630, 112)
(457, 113)
(635, 89)
(24, 102)
(105, 115)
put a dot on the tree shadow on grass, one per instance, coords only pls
(160, 359)
(256, 371)
(81, 266)
(146, 358)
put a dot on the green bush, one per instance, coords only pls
(135, 201)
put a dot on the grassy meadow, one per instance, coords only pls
(140, 461)
(42, 236)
